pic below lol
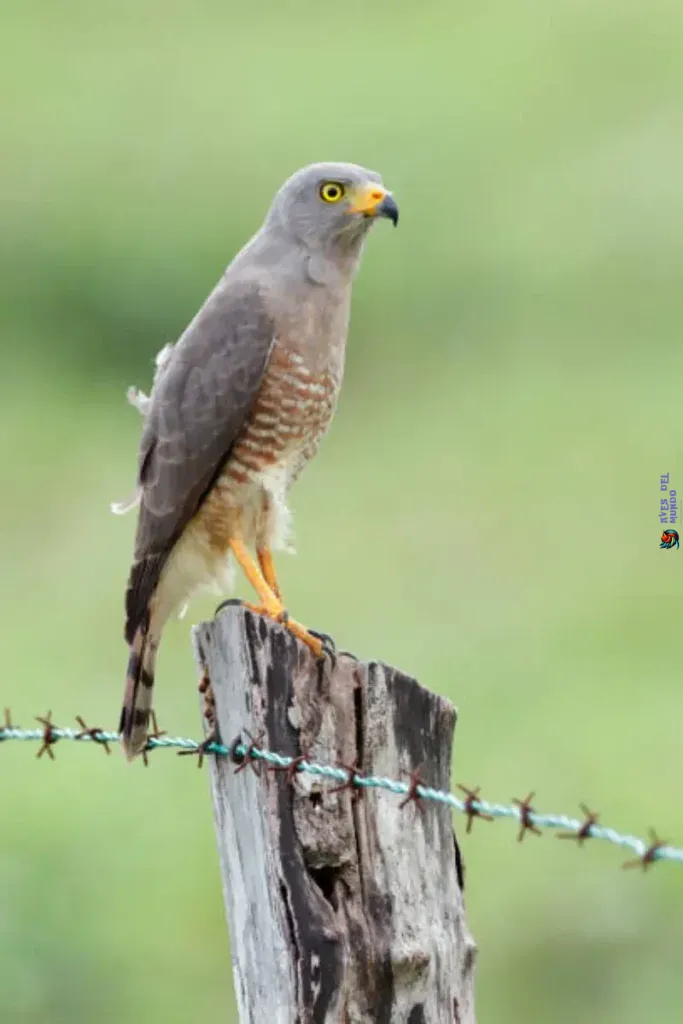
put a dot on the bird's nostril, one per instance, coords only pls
(377, 195)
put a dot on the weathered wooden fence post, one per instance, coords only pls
(342, 907)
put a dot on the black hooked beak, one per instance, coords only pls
(388, 208)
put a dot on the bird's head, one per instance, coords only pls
(330, 206)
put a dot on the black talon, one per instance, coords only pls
(327, 640)
(329, 647)
(230, 602)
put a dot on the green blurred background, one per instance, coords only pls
(483, 514)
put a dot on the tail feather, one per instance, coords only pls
(137, 700)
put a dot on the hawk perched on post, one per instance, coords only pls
(238, 407)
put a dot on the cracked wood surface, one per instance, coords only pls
(342, 908)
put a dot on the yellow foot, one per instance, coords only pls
(257, 609)
(314, 643)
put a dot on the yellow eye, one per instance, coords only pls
(331, 191)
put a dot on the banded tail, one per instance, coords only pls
(137, 700)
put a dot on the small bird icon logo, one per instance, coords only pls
(669, 539)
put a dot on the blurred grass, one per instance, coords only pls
(483, 513)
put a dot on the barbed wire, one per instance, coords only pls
(414, 790)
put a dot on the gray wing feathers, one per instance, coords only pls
(198, 407)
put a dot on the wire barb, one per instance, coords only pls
(340, 777)
(249, 755)
(291, 770)
(96, 735)
(153, 736)
(526, 817)
(7, 724)
(353, 775)
(207, 746)
(236, 749)
(471, 806)
(49, 737)
(415, 783)
(586, 829)
(650, 855)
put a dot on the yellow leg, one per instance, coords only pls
(265, 560)
(271, 604)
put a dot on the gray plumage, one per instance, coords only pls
(239, 405)
(197, 410)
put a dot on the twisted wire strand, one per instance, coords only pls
(645, 853)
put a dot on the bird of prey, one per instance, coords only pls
(238, 407)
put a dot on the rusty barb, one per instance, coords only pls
(353, 773)
(290, 770)
(470, 806)
(586, 830)
(527, 817)
(202, 749)
(49, 736)
(96, 735)
(416, 787)
(650, 855)
(153, 737)
(249, 752)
